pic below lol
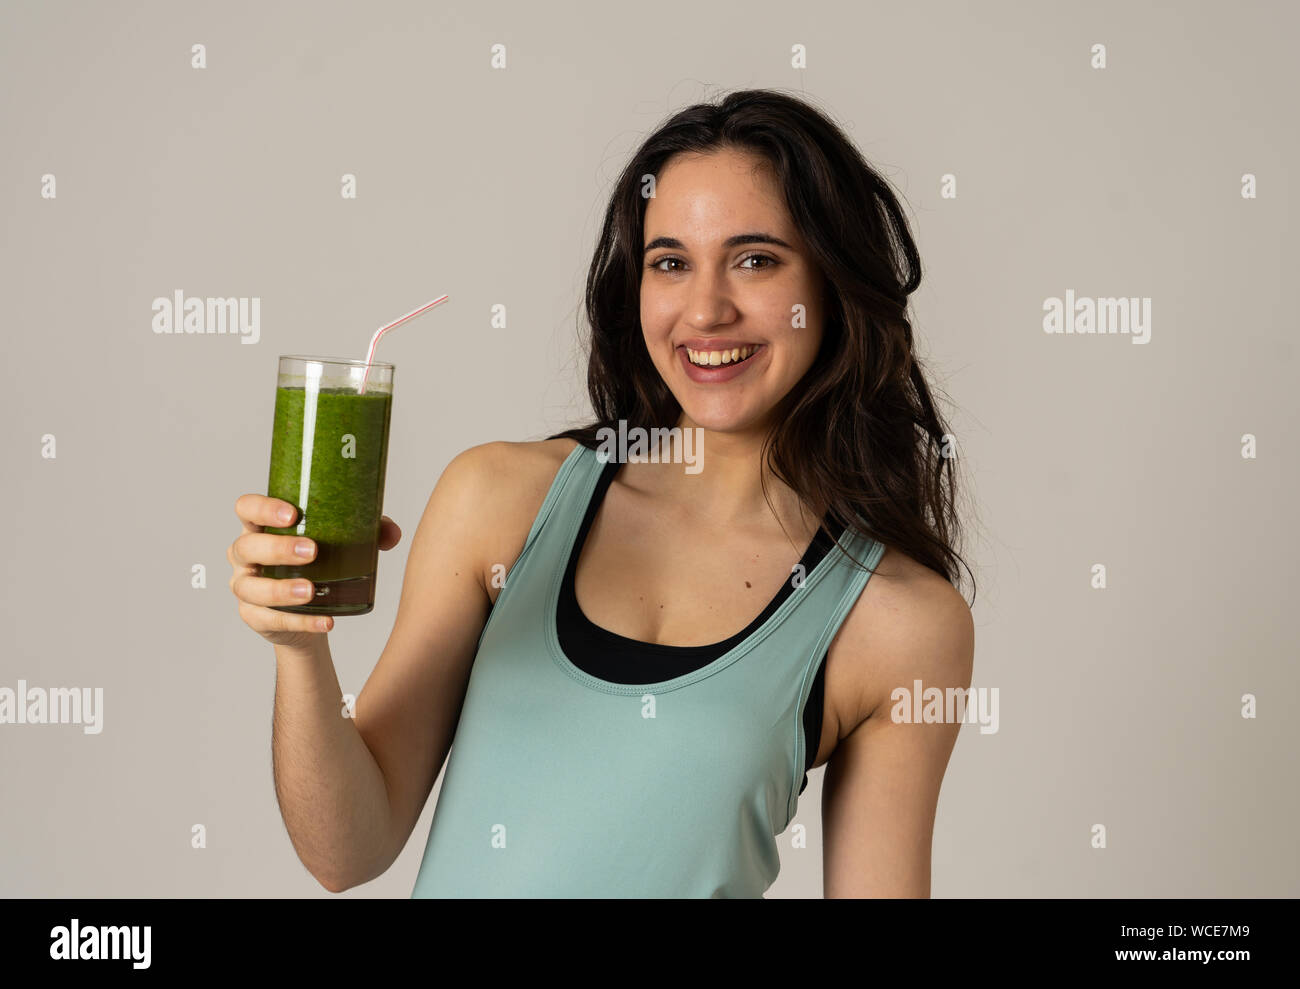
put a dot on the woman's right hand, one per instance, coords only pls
(254, 548)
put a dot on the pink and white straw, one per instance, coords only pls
(374, 340)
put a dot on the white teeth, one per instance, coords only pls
(712, 358)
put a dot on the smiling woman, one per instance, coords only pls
(765, 309)
(634, 709)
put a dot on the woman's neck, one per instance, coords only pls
(725, 485)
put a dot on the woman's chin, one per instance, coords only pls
(727, 419)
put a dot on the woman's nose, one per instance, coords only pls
(709, 302)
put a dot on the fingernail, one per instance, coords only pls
(323, 624)
(303, 547)
(284, 514)
(301, 590)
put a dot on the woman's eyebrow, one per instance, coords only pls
(734, 241)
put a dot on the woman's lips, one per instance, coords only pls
(722, 372)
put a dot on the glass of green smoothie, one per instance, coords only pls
(329, 451)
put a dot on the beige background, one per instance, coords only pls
(1119, 706)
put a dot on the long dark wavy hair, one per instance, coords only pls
(858, 438)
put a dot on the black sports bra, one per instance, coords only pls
(618, 659)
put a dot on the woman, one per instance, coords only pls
(674, 644)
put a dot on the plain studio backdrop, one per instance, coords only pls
(1172, 464)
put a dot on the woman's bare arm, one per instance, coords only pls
(881, 787)
(478, 515)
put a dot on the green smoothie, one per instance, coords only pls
(337, 440)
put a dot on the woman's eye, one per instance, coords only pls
(760, 257)
(656, 264)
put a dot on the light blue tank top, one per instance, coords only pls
(561, 785)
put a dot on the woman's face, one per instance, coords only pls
(725, 269)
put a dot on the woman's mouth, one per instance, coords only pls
(716, 365)
(715, 358)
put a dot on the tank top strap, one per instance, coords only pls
(562, 495)
(819, 608)
(565, 501)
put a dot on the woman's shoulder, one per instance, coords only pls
(506, 478)
(525, 460)
(910, 623)
(499, 487)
